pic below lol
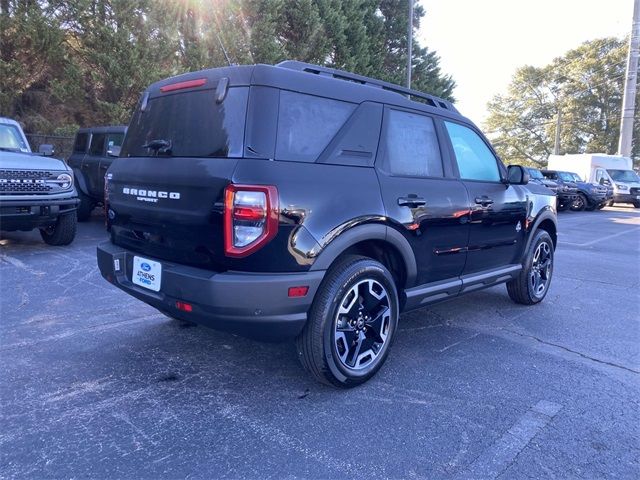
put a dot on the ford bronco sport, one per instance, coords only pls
(36, 191)
(296, 201)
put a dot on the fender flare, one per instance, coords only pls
(361, 233)
(80, 181)
(545, 214)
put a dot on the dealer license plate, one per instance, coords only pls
(147, 273)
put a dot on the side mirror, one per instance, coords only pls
(114, 151)
(517, 175)
(46, 150)
(604, 181)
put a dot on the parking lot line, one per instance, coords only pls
(497, 458)
(601, 239)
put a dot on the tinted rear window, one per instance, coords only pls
(80, 145)
(306, 125)
(193, 122)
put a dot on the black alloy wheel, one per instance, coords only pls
(540, 272)
(362, 324)
(533, 281)
(351, 323)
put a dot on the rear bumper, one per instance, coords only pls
(248, 304)
(30, 214)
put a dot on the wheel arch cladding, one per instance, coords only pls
(376, 241)
(545, 221)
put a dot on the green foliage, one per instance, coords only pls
(585, 86)
(65, 63)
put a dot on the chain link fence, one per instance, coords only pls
(62, 145)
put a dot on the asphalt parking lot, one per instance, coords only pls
(95, 384)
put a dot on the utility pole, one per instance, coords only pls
(410, 42)
(556, 144)
(629, 99)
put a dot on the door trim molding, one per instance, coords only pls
(428, 293)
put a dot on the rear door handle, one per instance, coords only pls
(484, 201)
(411, 201)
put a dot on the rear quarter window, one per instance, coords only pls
(306, 125)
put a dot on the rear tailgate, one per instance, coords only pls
(165, 192)
(170, 208)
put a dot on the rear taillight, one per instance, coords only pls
(250, 218)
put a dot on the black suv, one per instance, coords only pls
(93, 151)
(297, 201)
(536, 176)
(585, 195)
(567, 189)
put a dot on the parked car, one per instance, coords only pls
(536, 176)
(588, 196)
(36, 190)
(93, 151)
(613, 171)
(567, 189)
(591, 196)
(300, 202)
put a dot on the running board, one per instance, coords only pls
(422, 295)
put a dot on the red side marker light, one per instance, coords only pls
(185, 307)
(298, 291)
(182, 85)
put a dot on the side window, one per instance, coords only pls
(114, 140)
(80, 145)
(306, 125)
(97, 144)
(475, 160)
(411, 145)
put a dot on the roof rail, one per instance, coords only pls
(352, 77)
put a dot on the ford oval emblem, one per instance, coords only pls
(145, 266)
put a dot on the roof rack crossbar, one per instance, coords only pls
(352, 77)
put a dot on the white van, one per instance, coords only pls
(613, 170)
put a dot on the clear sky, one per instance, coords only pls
(482, 42)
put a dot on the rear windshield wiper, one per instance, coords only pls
(159, 146)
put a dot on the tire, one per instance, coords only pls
(580, 203)
(63, 232)
(356, 306)
(85, 207)
(525, 289)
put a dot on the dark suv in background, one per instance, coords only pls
(299, 202)
(587, 196)
(567, 189)
(93, 151)
(536, 176)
